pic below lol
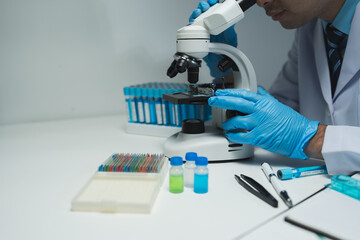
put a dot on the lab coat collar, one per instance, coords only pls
(351, 62)
(322, 64)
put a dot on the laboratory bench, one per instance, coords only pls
(45, 164)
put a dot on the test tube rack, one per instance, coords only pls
(149, 114)
(126, 182)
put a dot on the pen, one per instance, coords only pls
(290, 173)
(280, 190)
(255, 188)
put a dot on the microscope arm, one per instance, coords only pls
(245, 78)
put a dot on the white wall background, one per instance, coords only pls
(71, 58)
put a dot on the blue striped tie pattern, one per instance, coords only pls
(333, 40)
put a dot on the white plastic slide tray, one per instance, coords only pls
(120, 192)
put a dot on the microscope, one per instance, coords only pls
(193, 43)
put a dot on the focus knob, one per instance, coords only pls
(193, 126)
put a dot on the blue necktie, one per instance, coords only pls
(333, 40)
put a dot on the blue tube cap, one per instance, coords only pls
(176, 161)
(285, 174)
(191, 156)
(138, 92)
(201, 161)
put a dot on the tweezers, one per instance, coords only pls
(255, 188)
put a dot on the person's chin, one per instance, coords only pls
(286, 25)
(291, 22)
(289, 25)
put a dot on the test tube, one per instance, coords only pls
(144, 92)
(151, 95)
(158, 107)
(165, 108)
(172, 110)
(139, 104)
(128, 103)
(133, 104)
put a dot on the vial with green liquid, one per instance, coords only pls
(176, 172)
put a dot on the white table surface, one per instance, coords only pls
(45, 164)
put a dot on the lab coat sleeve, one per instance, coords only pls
(341, 149)
(285, 86)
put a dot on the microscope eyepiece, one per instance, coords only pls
(246, 4)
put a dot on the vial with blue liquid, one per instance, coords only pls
(201, 175)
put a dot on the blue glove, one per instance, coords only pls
(270, 124)
(228, 37)
(202, 7)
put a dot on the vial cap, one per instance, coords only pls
(191, 156)
(176, 161)
(285, 174)
(201, 161)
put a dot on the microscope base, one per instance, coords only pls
(211, 144)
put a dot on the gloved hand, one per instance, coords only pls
(228, 37)
(270, 124)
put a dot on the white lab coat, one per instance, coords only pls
(304, 84)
